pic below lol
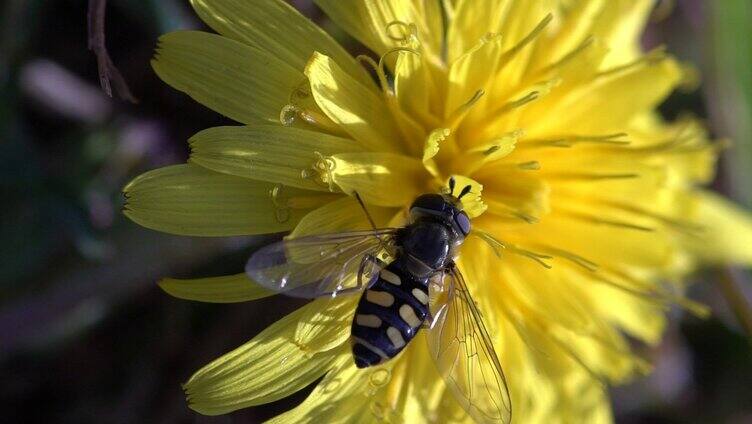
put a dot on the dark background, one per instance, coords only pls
(85, 333)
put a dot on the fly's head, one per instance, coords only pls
(446, 208)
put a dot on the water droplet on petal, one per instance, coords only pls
(288, 115)
(332, 386)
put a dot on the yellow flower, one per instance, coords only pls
(547, 106)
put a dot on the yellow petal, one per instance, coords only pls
(523, 25)
(515, 193)
(346, 395)
(236, 80)
(226, 289)
(344, 214)
(357, 108)
(583, 64)
(471, 72)
(269, 367)
(621, 26)
(327, 325)
(599, 242)
(273, 153)
(727, 234)
(472, 20)
(354, 17)
(419, 86)
(190, 200)
(488, 155)
(382, 179)
(417, 385)
(557, 306)
(573, 31)
(606, 104)
(539, 372)
(277, 28)
(636, 315)
(428, 17)
(367, 21)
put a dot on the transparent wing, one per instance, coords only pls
(462, 350)
(322, 265)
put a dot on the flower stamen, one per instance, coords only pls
(592, 177)
(572, 257)
(593, 219)
(572, 140)
(532, 165)
(514, 104)
(321, 172)
(684, 227)
(494, 150)
(380, 67)
(582, 47)
(459, 114)
(653, 57)
(503, 209)
(656, 296)
(409, 31)
(537, 257)
(531, 36)
(498, 246)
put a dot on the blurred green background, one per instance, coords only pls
(85, 333)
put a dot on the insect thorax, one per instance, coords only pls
(427, 246)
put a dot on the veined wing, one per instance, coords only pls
(322, 265)
(463, 352)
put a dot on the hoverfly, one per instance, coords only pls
(408, 281)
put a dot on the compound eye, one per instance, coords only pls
(463, 222)
(432, 202)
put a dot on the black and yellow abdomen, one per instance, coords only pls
(388, 315)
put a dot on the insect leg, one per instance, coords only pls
(436, 285)
(378, 264)
(428, 322)
(363, 205)
(349, 290)
(370, 219)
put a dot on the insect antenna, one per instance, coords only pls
(363, 205)
(464, 191)
(451, 185)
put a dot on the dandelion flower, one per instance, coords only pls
(545, 107)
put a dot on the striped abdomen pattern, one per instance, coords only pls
(388, 316)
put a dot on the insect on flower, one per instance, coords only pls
(408, 281)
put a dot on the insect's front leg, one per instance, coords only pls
(428, 322)
(435, 286)
(361, 270)
(376, 263)
(436, 282)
